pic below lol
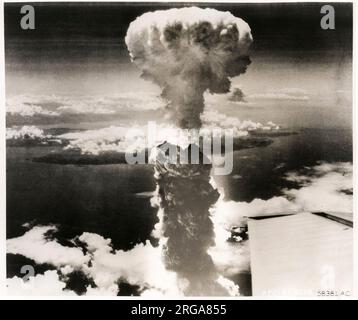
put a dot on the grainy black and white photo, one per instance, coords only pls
(162, 149)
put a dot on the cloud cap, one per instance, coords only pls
(188, 51)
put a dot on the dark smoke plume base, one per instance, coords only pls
(186, 195)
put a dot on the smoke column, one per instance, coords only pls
(187, 52)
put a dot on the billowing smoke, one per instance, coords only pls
(188, 51)
(185, 197)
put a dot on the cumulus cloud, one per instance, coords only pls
(143, 265)
(125, 139)
(30, 135)
(328, 181)
(326, 187)
(187, 51)
(132, 138)
(214, 118)
(47, 284)
(25, 132)
(231, 212)
(140, 266)
(139, 137)
(111, 138)
(230, 258)
(51, 284)
(34, 245)
(234, 257)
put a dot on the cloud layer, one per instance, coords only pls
(136, 137)
(30, 135)
(143, 265)
(325, 187)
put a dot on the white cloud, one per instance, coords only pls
(116, 139)
(136, 137)
(142, 265)
(322, 187)
(57, 105)
(27, 106)
(34, 245)
(112, 290)
(47, 284)
(28, 132)
(214, 118)
(230, 211)
(229, 285)
(50, 284)
(131, 101)
(321, 190)
(282, 94)
(278, 96)
(234, 257)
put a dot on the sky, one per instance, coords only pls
(79, 49)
